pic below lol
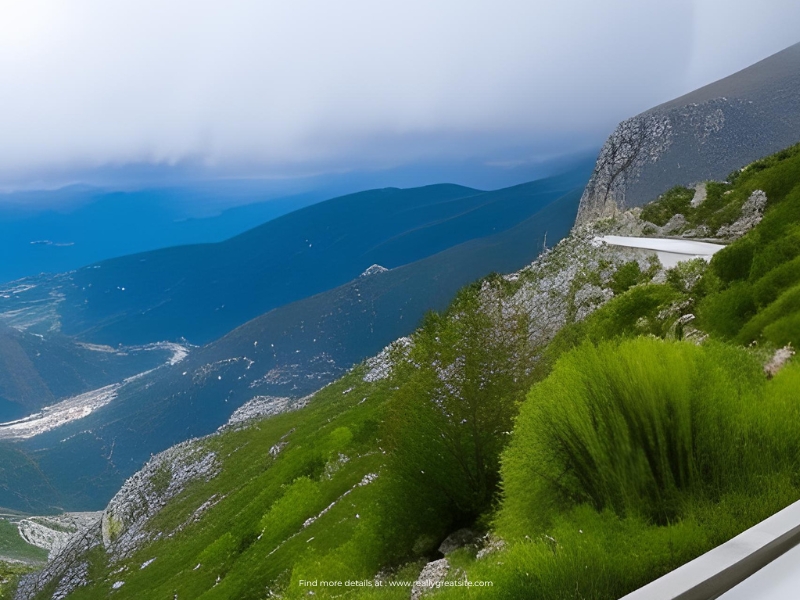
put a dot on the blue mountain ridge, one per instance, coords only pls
(289, 351)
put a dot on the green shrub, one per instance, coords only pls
(778, 323)
(725, 313)
(685, 276)
(733, 262)
(677, 200)
(300, 501)
(458, 393)
(220, 551)
(627, 276)
(634, 312)
(767, 289)
(635, 428)
(722, 205)
(772, 255)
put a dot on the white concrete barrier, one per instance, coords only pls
(670, 252)
(721, 569)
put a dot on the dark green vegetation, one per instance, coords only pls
(751, 294)
(722, 205)
(624, 448)
(754, 284)
(677, 200)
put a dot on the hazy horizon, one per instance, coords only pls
(142, 94)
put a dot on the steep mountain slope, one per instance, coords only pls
(201, 292)
(286, 353)
(663, 437)
(704, 135)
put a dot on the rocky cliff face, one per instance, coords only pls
(704, 135)
(122, 527)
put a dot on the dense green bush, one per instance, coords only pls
(675, 201)
(634, 312)
(747, 292)
(778, 322)
(453, 409)
(627, 276)
(725, 313)
(640, 428)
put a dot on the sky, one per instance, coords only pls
(136, 92)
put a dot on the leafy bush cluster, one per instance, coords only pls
(646, 427)
(675, 201)
(752, 292)
(776, 175)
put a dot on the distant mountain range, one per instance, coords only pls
(64, 229)
(448, 236)
(201, 292)
(703, 135)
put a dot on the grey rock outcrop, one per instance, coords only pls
(123, 523)
(68, 568)
(674, 224)
(752, 213)
(700, 194)
(123, 527)
(432, 574)
(704, 135)
(779, 360)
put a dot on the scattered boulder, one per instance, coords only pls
(676, 222)
(457, 539)
(700, 194)
(778, 360)
(491, 544)
(431, 575)
(701, 231)
(752, 213)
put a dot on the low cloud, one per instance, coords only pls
(283, 89)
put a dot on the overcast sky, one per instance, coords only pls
(310, 87)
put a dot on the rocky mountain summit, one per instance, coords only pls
(704, 135)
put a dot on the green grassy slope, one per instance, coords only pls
(17, 557)
(13, 547)
(638, 445)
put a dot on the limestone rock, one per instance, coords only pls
(677, 222)
(752, 213)
(700, 195)
(778, 360)
(431, 574)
